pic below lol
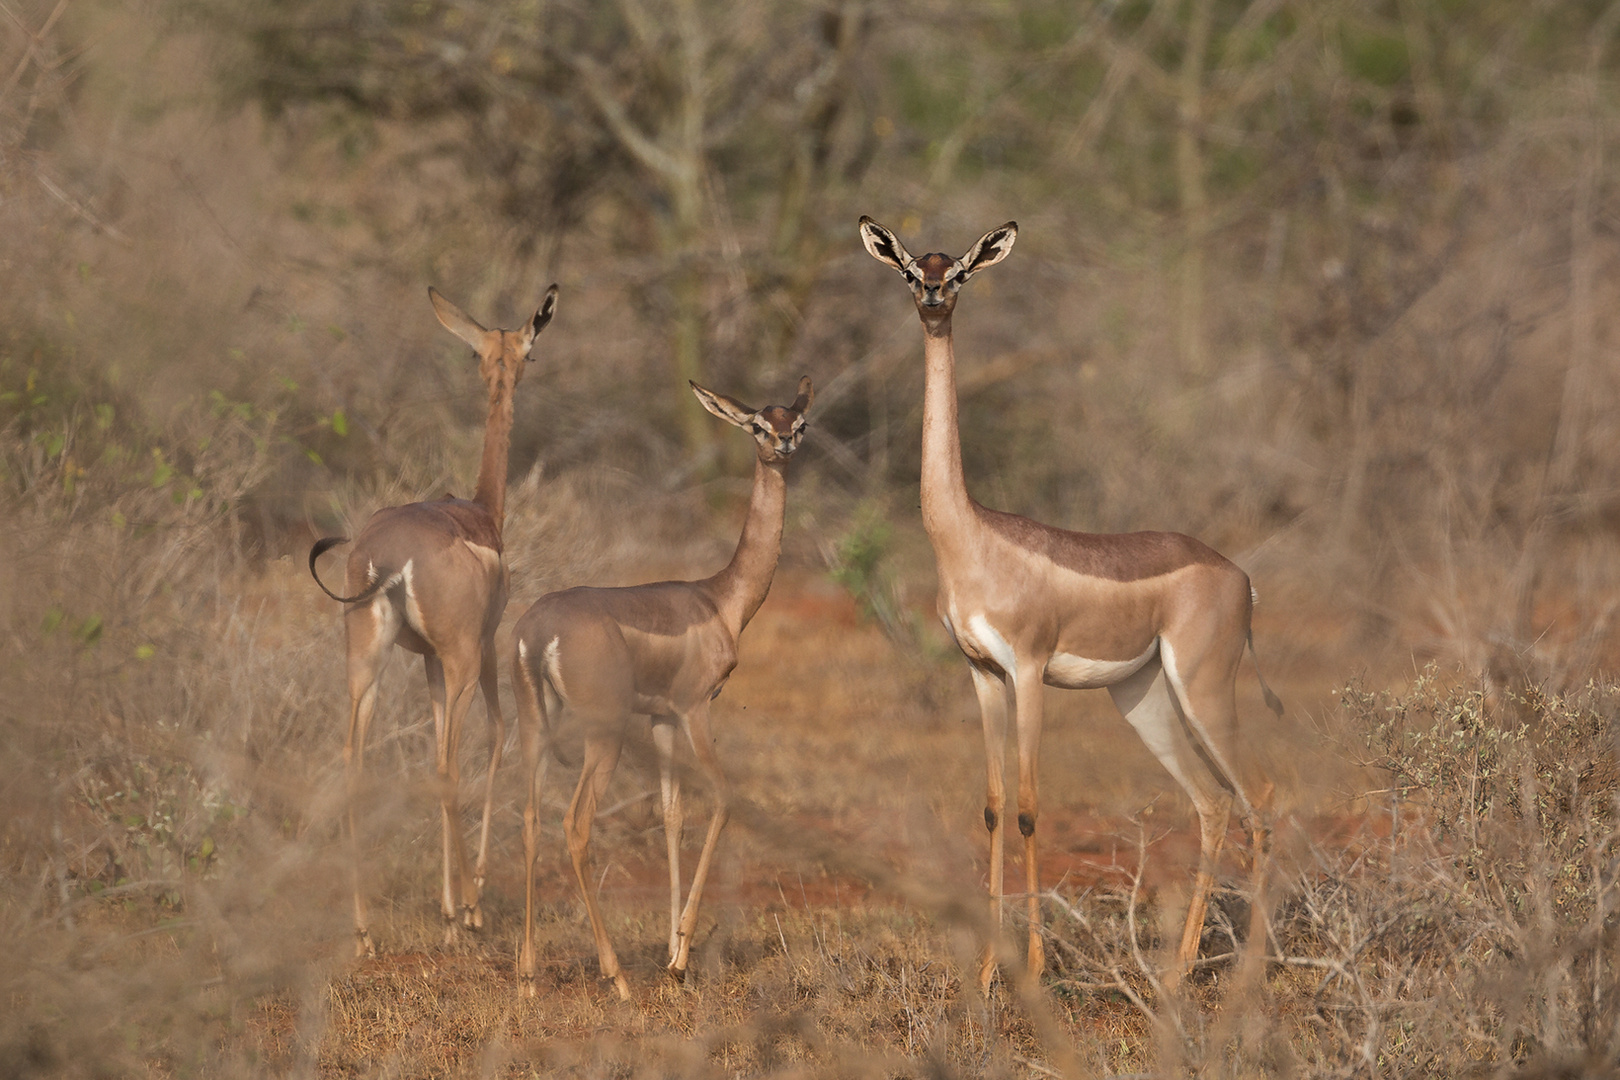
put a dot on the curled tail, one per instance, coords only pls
(1273, 702)
(321, 547)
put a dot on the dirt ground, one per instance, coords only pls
(859, 766)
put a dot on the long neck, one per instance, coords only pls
(945, 504)
(741, 587)
(491, 491)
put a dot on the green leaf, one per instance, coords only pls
(53, 619)
(340, 424)
(145, 652)
(89, 631)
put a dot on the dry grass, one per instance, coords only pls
(213, 343)
(175, 896)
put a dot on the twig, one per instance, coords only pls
(81, 210)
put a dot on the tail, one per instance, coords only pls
(1273, 702)
(321, 547)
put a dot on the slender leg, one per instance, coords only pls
(1027, 702)
(361, 707)
(490, 685)
(1205, 687)
(992, 694)
(1153, 708)
(452, 698)
(663, 731)
(370, 630)
(696, 723)
(434, 668)
(602, 746)
(1212, 822)
(1254, 951)
(532, 738)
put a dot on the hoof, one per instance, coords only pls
(526, 987)
(677, 974)
(472, 917)
(622, 987)
(364, 948)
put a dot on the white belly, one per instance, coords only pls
(1079, 673)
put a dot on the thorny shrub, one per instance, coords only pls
(1461, 920)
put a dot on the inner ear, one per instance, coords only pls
(992, 247)
(548, 308)
(883, 245)
(726, 408)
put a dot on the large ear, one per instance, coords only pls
(728, 409)
(992, 247)
(456, 321)
(883, 245)
(806, 398)
(548, 308)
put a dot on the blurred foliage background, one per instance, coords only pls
(1330, 284)
(1323, 283)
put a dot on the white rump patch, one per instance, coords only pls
(551, 658)
(413, 610)
(1078, 673)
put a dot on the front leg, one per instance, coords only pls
(696, 722)
(1027, 701)
(669, 782)
(992, 692)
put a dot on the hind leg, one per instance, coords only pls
(451, 681)
(1205, 690)
(369, 630)
(488, 682)
(1151, 705)
(603, 741)
(533, 732)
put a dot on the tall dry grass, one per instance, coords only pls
(213, 343)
